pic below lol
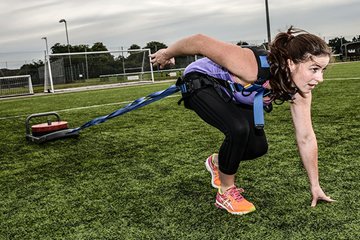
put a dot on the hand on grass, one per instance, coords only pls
(161, 59)
(319, 195)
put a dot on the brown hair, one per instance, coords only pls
(298, 46)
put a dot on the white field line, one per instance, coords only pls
(87, 88)
(81, 108)
(343, 62)
(338, 79)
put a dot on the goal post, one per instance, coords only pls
(100, 67)
(16, 85)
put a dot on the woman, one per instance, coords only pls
(295, 65)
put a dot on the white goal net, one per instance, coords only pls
(15, 85)
(94, 68)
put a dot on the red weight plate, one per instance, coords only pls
(48, 128)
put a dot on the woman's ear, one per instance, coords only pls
(291, 65)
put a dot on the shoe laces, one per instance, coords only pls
(235, 193)
(213, 163)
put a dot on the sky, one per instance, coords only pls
(121, 23)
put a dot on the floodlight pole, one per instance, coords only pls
(267, 21)
(68, 46)
(46, 44)
(47, 67)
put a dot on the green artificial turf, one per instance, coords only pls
(142, 175)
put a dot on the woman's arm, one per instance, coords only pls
(307, 144)
(239, 61)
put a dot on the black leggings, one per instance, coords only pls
(242, 140)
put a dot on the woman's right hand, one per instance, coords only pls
(161, 58)
(319, 195)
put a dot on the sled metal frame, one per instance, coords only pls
(65, 133)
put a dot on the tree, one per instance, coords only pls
(133, 62)
(98, 64)
(242, 43)
(98, 46)
(134, 47)
(336, 43)
(155, 46)
(59, 48)
(32, 69)
(80, 48)
(103, 63)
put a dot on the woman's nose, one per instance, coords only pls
(320, 78)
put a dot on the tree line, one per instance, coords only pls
(337, 42)
(98, 64)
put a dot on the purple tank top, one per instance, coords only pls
(210, 68)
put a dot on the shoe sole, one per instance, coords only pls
(212, 175)
(220, 206)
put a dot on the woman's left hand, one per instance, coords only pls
(319, 195)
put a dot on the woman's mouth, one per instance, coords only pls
(312, 85)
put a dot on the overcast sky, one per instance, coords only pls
(119, 23)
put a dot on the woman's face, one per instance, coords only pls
(306, 75)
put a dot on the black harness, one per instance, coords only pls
(194, 81)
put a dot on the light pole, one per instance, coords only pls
(47, 70)
(46, 43)
(68, 45)
(267, 21)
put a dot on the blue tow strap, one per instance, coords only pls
(138, 103)
(258, 105)
(143, 101)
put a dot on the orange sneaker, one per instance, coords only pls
(210, 166)
(233, 202)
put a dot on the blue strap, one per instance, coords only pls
(258, 105)
(252, 87)
(143, 101)
(240, 88)
(138, 103)
(259, 109)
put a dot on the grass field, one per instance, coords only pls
(142, 175)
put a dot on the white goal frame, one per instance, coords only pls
(27, 81)
(48, 79)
